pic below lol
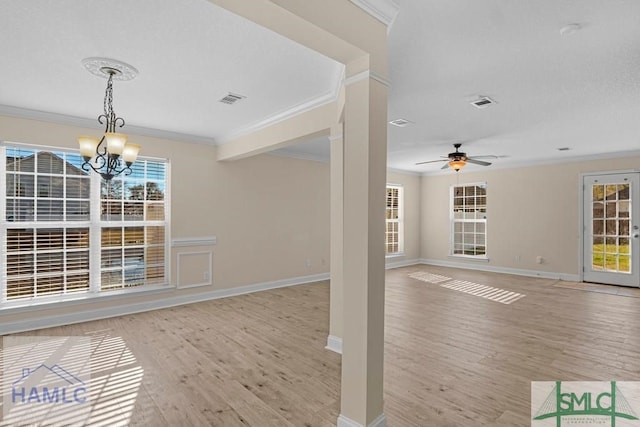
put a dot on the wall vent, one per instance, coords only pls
(400, 122)
(483, 102)
(231, 98)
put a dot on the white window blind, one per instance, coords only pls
(394, 233)
(469, 220)
(52, 237)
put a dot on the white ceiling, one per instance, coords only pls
(579, 90)
(190, 53)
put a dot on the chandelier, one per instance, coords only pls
(110, 155)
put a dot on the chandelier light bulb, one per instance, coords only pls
(130, 153)
(115, 142)
(88, 146)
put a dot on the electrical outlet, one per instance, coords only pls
(308, 262)
(205, 275)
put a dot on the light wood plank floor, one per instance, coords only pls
(451, 358)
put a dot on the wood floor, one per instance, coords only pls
(451, 358)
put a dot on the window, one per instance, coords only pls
(469, 220)
(67, 231)
(394, 233)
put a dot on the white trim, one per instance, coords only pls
(403, 172)
(506, 270)
(208, 280)
(303, 107)
(380, 421)
(47, 321)
(367, 74)
(193, 241)
(384, 11)
(476, 258)
(334, 344)
(25, 113)
(405, 263)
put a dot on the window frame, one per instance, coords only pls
(399, 221)
(453, 221)
(94, 224)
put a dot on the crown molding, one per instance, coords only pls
(25, 113)
(384, 11)
(367, 74)
(303, 107)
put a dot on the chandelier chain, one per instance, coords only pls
(108, 104)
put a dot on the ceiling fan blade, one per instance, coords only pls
(489, 156)
(432, 161)
(478, 162)
(446, 165)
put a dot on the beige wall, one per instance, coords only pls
(269, 214)
(532, 211)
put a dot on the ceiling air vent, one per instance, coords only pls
(400, 122)
(231, 98)
(483, 102)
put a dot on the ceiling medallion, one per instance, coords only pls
(106, 68)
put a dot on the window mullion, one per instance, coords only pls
(95, 230)
(3, 224)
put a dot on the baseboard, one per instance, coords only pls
(343, 421)
(404, 263)
(334, 344)
(42, 322)
(506, 270)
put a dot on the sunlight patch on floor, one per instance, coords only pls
(488, 292)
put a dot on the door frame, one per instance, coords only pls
(581, 219)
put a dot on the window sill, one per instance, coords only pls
(396, 255)
(479, 258)
(61, 301)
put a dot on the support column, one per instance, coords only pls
(365, 155)
(334, 340)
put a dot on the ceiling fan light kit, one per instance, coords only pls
(458, 159)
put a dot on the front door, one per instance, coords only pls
(611, 215)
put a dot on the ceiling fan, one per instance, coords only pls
(457, 160)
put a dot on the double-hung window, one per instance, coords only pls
(469, 220)
(67, 231)
(394, 233)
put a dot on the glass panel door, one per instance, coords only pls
(611, 244)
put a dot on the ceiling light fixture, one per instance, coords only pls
(111, 155)
(457, 164)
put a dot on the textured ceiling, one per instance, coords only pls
(190, 53)
(579, 90)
